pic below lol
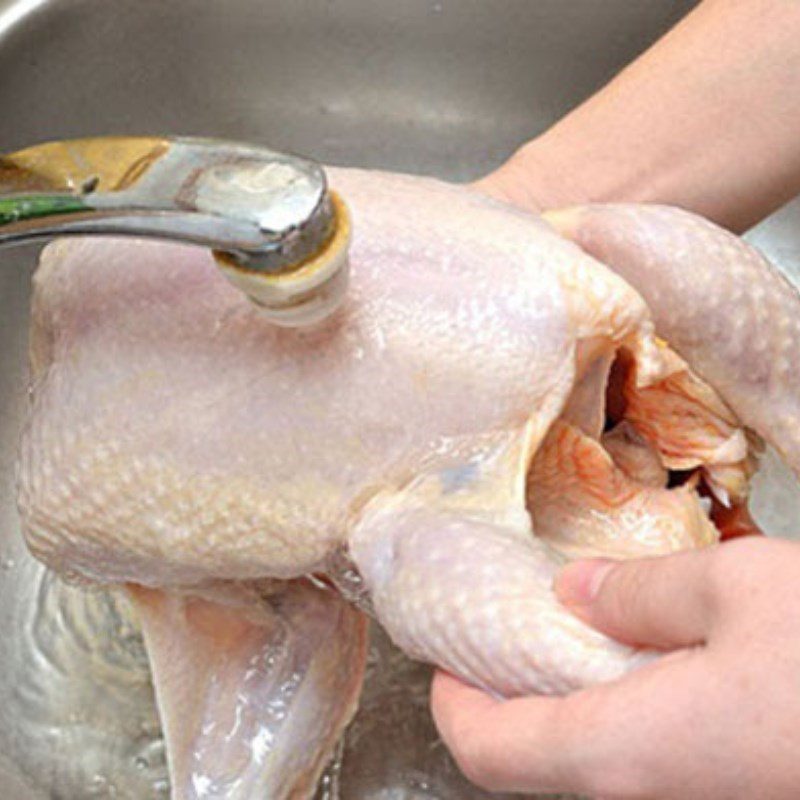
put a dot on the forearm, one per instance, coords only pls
(708, 119)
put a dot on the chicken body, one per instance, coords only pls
(177, 440)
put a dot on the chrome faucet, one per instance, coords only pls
(278, 233)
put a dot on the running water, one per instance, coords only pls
(86, 725)
(81, 699)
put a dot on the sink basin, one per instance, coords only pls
(442, 87)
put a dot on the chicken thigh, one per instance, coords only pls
(489, 402)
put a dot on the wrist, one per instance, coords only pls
(534, 178)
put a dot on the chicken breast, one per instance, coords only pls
(436, 450)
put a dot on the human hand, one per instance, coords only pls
(677, 127)
(716, 717)
(535, 179)
(517, 182)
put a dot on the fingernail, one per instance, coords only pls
(578, 583)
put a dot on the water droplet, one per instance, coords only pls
(141, 763)
(420, 784)
(7, 563)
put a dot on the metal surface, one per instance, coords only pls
(445, 87)
(267, 211)
(277, 232)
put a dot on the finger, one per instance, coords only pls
(663, 602)
(617, 739)
(475, 728)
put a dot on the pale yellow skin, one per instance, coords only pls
(177, 439)
(254, 684)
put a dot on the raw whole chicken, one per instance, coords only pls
(490, 402)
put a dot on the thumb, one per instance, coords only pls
(662, 602)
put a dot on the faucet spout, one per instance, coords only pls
(278, 232)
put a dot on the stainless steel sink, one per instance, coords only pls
(445, 87)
